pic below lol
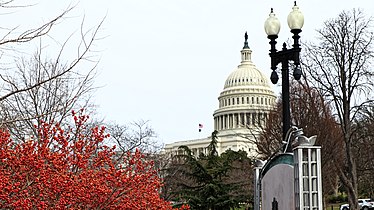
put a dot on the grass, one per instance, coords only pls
(335, 206)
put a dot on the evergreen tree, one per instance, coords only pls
(210, 181)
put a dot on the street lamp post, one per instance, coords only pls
(272, 27)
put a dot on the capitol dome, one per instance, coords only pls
(246, 75)
(244, 105)
(246, 98)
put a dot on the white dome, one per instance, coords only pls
(246, 75)
(246, 98)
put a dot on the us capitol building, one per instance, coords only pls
(244, 105)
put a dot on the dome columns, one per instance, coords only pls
(246, 56)
(239, 120)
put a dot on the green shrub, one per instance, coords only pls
(339, 198)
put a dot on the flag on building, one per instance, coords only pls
(200, 127)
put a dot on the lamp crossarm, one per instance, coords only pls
(285, 55)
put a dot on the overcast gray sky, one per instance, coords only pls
(166, 61)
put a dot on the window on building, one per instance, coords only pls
(237, 100)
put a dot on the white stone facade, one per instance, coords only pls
(243, 107)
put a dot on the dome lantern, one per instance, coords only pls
(246, 51)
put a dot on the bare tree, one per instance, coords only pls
(41, 88)
(137, 135)
(311, 112)
(51, 101)
(339, 65)
(270, 138)
(363, 150)
(30, 34)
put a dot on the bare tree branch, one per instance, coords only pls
(339, 66)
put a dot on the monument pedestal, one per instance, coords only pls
(291, 180)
